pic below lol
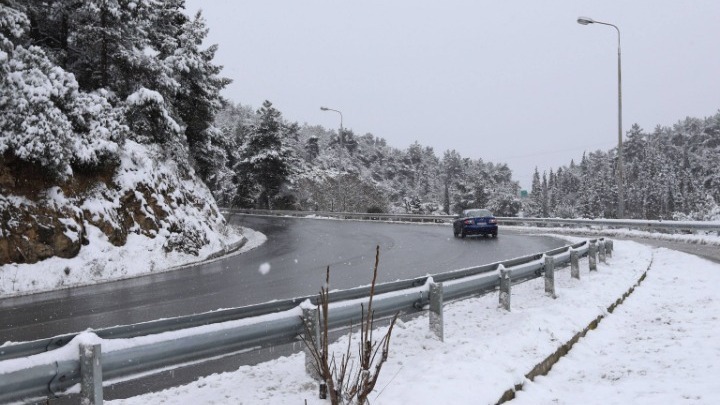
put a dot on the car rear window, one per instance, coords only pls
(478, 213)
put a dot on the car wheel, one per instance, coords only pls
(494, 235)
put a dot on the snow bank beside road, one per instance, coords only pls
(100, 261)
(661, 347)
(487, 350)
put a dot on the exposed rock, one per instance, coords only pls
(31, 233)
(44, 217)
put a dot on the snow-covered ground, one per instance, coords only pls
(661, 345)
(101, 261)
(699, 238)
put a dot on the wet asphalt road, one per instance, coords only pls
(297, 252)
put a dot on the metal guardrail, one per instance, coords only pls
(239, 329)
(25, 349)
(679, 226)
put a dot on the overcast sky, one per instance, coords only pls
(517, 82)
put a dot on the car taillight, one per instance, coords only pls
(468, 222)
(492, 221)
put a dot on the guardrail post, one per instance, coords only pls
(505, 287)
(602, 252)
(311, 318)
(592, 256)
(609, 245)
(91, 389)
(574, 264)
(550, 276)
(436, 310)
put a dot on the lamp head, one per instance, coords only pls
(324, 108)
(585, 20)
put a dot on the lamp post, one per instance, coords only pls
(342, 150)
(342, 136)
(341, 127)
(620, 179)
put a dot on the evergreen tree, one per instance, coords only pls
(544, 208)
(312, 147)
(534, 206)
(46, 120)
(264, 161)
(197, 99)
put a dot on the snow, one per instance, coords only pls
(101, 261)
(264, 268)
(659, 346)
(700, 238)
(144, 95)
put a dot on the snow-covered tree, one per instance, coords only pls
(263, 161)
(149, 119)
(46, 120)
(197, 99)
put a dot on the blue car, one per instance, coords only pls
(475, 222)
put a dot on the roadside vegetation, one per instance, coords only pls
(351, 378)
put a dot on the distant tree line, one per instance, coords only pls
(671, 173)
(80, 78)
(277, 164)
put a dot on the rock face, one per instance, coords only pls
(42, 218)
(31, 233)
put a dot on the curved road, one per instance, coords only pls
(297, 252)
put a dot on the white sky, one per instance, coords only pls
(517, 82)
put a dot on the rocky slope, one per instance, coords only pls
(144, 193)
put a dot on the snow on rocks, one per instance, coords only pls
(149, 216)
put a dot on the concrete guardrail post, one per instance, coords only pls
(91, 388)
(550, 276)
(602, 250)
(592, 256)
(436, 310)
(505, 287)
(574, 264)
(311, 317)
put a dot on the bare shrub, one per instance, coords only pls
(349, 380)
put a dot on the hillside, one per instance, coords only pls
(105, 133)
(146, 212)
(335, 170)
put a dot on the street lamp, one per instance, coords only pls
(621, 186)
(342, 136)
(342, 150)
(330, 109)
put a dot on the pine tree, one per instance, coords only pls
(264, 161)
(446, 199)
(197, 99)
(534, 206)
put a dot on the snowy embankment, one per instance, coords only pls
(153, 216)
(661, 345)
(699, 238)
(103, 262)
